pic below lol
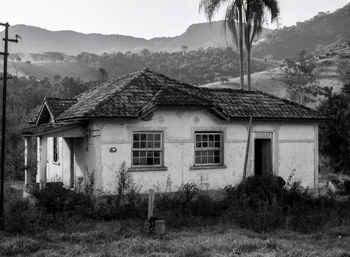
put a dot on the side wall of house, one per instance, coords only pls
(294, 150)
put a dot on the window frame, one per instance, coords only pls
(221, 148)
(160, 149)
(55, 150)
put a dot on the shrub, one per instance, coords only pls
(55, 198)
(126, 204)
(21, 216)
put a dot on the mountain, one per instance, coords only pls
(321, 30)
(39, 40)
(328, 58)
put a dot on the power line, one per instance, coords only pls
(3, 128)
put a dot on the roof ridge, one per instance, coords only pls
(155, 95)
(132, 77)
(58, 98)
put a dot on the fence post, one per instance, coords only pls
(150, 203)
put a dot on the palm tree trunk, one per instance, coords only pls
(249, 79)
(241, 51)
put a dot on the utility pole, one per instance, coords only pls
(3, 124)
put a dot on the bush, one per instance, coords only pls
(55, 198)
(21, 216)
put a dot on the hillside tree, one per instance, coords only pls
(302, 79)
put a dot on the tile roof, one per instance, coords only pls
(59, 105)
(135, 94)
(39, 129)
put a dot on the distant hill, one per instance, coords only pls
(38, 40)
(321, 30)
(328, 59)
(195, 67)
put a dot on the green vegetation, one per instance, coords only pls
(335, 132)
(302, 79)
(63, 223)
(126, 238)
(194, 67)
(322, 29)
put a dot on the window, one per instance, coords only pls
(56, 148)
(208, 148)
(147, 149)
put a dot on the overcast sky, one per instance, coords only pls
(141, 18)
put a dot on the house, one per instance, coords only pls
(165, 130)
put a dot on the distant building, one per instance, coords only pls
(164, 129)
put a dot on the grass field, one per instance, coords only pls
(128, 239)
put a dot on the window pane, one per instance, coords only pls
(217, 143)
(135, 161)
(143, 161)
(136, 137)
(149, 161)
(149, 144)
(211, 137)
(143, 154)
(217, 159)
(157, 137)
(156, 154)
(136, 144)
(156, 161)
(135, 154)
(156, 144)
(143, 144)
(143, 137)
(217, 137)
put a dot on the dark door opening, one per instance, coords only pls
(263, 157)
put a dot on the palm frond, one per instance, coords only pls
(210, 7)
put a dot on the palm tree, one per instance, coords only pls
(234, 12)
(254, 13)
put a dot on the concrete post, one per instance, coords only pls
(42, 161)
(150, 203)
(27, 172)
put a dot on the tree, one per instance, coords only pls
(335, 132)
(184, 48)
(301, 78)
(102, 75)
(234, 12)
(253, 24)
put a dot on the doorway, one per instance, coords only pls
(263, 157)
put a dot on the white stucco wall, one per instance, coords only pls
(295, 149)
(59, 171)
